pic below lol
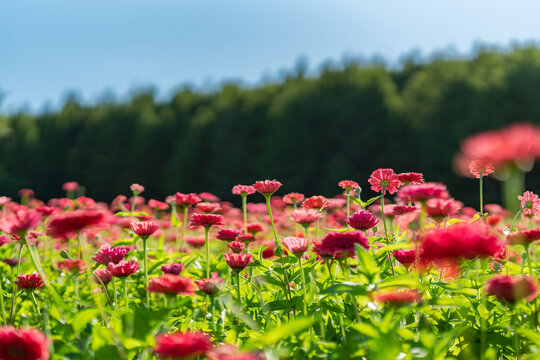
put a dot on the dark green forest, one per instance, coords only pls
(309, 132)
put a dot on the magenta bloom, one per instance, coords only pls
(384, 179)
(186, 199)
(210, 286)
(20, 221)
(411, 178)
(530, 203)
(180, 345)
(362, 220)
(144, 228)
(106, 254)
(23, 344)
(296, 245)
(123, 268)
(104, 275)
(405, 257)
(174, 268)
(403, 209)
(32, 281)
(206, 220)
(227, 234)
(512, 289)
(267, 187)
(243, 190)
(306, 217)
(236, 246)
(292, 198)
(340, 244)
(238, 261)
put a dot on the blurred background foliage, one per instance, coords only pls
(307, 131)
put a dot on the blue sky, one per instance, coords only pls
(50, 47)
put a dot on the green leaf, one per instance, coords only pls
(82, 318)
(346, 287)
(279, 333)
(366, 264)
(399, 281)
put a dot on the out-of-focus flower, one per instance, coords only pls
(210, 286)
(292, 198)
(171, 284)
(306, 217)
(208, 207)
(71, 265)
(20, 221)
(104, 275)
(512, 289)
(182, 345)
(227, 234)
(317, 202)
(123, 268)
(525, 237)
(421, 192)
(75, 221)
(403, 209)
(236, 246)
(186, 199)
(144, 228)
(438, 209)
(348, 184)
(156, 204)
(340, 244)
(106, 254)
(23, 344)
(405, 257)
(254, 228)
(398, 297)
(173, 268)
(136, 189)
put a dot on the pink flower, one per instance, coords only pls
(315, 202)
(524, 237)
(210, 286)
(180, 345)
(32, 281)
(20, 221)
(171, 284)
(136, 189)
(362, 220)
(104, 275)
(480, 168)
(75, 221)
(530, 203)
(3, 240)
(70, 186)
(186, 199)
(403, 209)
(206, 220)
(348, 184)
(267, 187)
(243, 190)
(206, 196)
(238, 261)
(438, 209)
(156, 204)
(398, 297)
(227, 234)
(296, 245)
(422, 192)
(254, 228)
(123, 268)
(292, 198)
(411, 178)
(383, 180)
(26, 193)
(512, 289)
(106, 254)
(72, 265)
(173, 268)
(405, 257)
(144, 228)
(236, 246)
(340, 244)
(208, 207)
(306, 217)
(23, 344)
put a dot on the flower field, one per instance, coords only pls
(410, 273)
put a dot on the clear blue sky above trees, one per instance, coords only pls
(50, 47)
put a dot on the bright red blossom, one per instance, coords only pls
(227, 234)
(340, 244)
(23, 344)
(317, 202)
(405, 257)
(398, 297)
(104, 275)
(292, 198)
(29, 281)
(75, 221)
(383, 180)
(208, 207)
(210, 286)
(422, 192)
(524, 237)
(106, 254)
(348, 184)
(512, 289)
(20, 221)
(236, 246)
(186, 199)
(182, 345)
(411, 178)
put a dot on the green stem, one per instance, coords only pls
(124, 283)
(76, 289)
(2, 302)
(534, 323)
(15, 287)
(304, 285)
(348, 204)
(145, 253)
(481, 197)
(207, 245)
(115, 293)
(386, 231)
(184, 224)
(244, 211)
(214, 328)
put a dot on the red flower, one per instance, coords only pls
(156, 204)
(315, 202)
(296, 245)
(512, 289)
(411, 178)
(340, 244)
(206, 220)
(123, 268)
(306, 217)
(243, 190)
(106, 254)
(210, 286)
(23, 344)
(362, 220)
(438, 209)
(403, 209)
(32, 281)
(144, 228)
(174, 268)
(47, 210)
(248, 238)
(182, 345)
(267, 187)
(236, 246)
(422, 192)
(480, 168)
(405, 257)
(524, 237)
(70, 186)
(384, 180)
(70, 265)
(73, 222)
(3, 240)
(227, 234)
(171, 284)
(208, 207)
(292, 198)
(398, 297)
(186, 199)
(136, 189)
(530, 203)
(254, 228)
(459, 242)
(348, 184)
(20, 221)
(104, 275)
(238, 261)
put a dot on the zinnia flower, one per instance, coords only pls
(20, 221)
(362, 220)
(227, 234)
(340, 244)
(292, 198)
(106, 254)
(421, 192)
(123, 268)
(405, 257)
(236, 246)
(267, 187)
(23, 344)
(210, 286)
(173, 268)
(208, 207)
(524, 237)
(243, 190)
(296, 245)
(306, 217)
(530, 203)
(206, 220)
(136, 189)
(512, 289)
(144, 228)
(186, 199)
(411, 178)
(75, 221)
(156, 204)
(31, 281)
(317, 202)
(171, 284)
(403, 209)
(254, 228)
(70, 186)
(438, 209)
(398, 297)
(104, 275)
(481, 168)
(238, 261)
(348, 184)
(182, 345)
(383, 180)
(71, 265)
